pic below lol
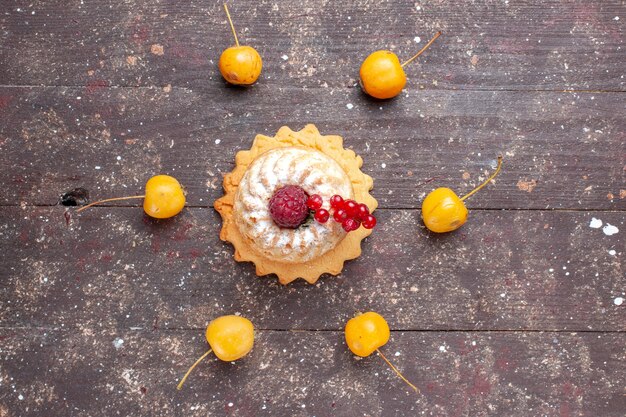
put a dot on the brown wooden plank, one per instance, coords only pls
(503, 270)
(80, 372)
(531, 44)
(561, 150)
(101, 313)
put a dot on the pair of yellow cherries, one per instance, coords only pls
(231, 338)
(442, 210)
(382, 75)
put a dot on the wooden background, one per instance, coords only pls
(516, 314)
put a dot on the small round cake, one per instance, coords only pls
(313, 171)
(283, 206)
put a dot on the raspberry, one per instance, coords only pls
(288, 206)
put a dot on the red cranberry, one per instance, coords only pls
(322, 215)
(369, 222)
(350, 225)
(351, 207)
(362, 212)
(340, 215)
(314, 202)
(336, 202)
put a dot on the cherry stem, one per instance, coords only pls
(486, 181)
(107, 200)
(397, 372)
(438, 34)
(182, 381)
(232, 27)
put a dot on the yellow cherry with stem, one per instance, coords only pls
(366, 333)
(382, 75)
(443, 211)
(230, 338)
(240, 65)
(164, 197)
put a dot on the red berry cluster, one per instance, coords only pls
(349, 213)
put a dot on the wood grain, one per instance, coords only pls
(503, 270)
(527, 45)
(80, 372)
(519, 313)
(561, 150)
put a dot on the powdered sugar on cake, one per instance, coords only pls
(312, 170)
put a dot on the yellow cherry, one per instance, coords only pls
(240, 65)
(382, 75)
(230, 338)
(443, 211)
(366, 333)
(164, 197)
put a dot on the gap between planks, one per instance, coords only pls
(573, 210)
(487, 89)
(197, 329)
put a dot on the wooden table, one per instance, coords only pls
(519, 313)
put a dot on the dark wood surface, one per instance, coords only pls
(561, 150)
(516, 314)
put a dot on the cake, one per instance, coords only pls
(316, 164)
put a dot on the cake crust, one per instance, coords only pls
(332, 261)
